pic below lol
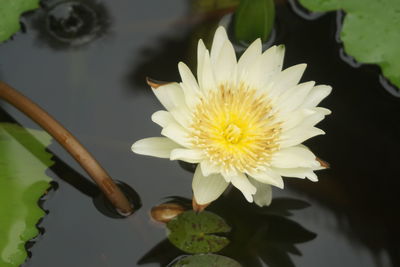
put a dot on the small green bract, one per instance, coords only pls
(193, 232)
(23, 161)
(10, 11)
(370, 31)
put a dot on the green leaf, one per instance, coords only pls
(10, 11)
(209, 260)
(370, 31)
(193, 232)
(23, 161)
(254, 19)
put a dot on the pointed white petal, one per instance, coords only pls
(272, 59)
(294, 97)
(268, 176)
(188, 155)
(294, 157)
(162, 118)
(160, 147)
(317, 94)
(207, 189)
(298, 135)
(251, 55)
(189, 84)
(298, 173)
(207, 79)
(263, 196)
(208, 168)
(170, 95)
(286, 79)
(201, 51)
(242, 183)
(225, 65)
(182, 115)
(178, 134)
(295, 118)
(220, 38)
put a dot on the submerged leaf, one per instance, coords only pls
(370, 31)
(210, 260)
(193, 232)
(10, 11)
(23, 161)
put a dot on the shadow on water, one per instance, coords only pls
(259, 235)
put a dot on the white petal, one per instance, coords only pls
(208, 168)
(287, 79)
(259, 72)
(298, 135)
(298, 173)
(207, 189)
(225, 66)
(268, 176)
(294, 97)
(178, 134)
(162, 118)
(316, 95)
(242, 183)
(160, 147)
(272, 59)
(188, 155)
(313, 119)
(294, 157)
(292, 119)
(182, 115)
(170, 95)
(263, 196)
(207, 78)
(251, 55)
(189, 84)
(219, 40)
(201, 51)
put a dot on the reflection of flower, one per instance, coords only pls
(243, 122)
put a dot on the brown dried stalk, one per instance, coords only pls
(71, 144)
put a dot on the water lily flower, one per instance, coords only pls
(242, 121)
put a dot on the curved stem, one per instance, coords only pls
(71, 144)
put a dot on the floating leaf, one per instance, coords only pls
(209, 260)
(10, 11)
(193, 232)
(370, 31)
(254, 19)
(23, 161)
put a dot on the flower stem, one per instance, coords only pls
(71, 144)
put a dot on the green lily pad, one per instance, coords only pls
(23, 161)
(10, 11)
(370, 31)
(193, 232)
(209, 260)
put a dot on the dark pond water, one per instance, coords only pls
(93, 82)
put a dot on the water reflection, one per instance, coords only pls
(70, 24)
(259, 235)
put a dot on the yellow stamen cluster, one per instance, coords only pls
(236, 128)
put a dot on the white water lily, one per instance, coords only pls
(242, 121)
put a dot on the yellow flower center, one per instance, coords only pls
(236, 127)
(233, 133)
